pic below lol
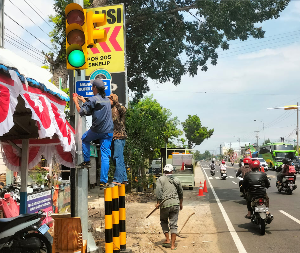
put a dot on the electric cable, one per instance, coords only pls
(20, 38)
(29, 32)
(37, 13)
(23, 50)
(263, 41)
(34, 51)
(29, 18)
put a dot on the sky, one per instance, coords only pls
(231, 97)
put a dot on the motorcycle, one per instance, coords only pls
(212, 170)
(288, 180)
(287, 185)
(223, 172)
(24, 233)
(259, 214)
(242, 191)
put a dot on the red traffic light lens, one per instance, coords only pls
(76, 37)
(75, 16)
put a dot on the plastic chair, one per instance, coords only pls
(68, 236)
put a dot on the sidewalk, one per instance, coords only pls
(145, 235)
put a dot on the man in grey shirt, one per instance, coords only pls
(169, 190)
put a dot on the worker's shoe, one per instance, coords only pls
(105, 185)
(85, 164)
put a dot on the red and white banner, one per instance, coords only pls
(37, 147)
(48, 112)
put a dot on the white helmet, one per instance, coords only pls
(168, 168)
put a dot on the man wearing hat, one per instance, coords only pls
(169, 190)
(102, 126)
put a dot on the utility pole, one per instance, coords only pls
(220, 150)
(1, 23)
(297, 129)
(256, 138)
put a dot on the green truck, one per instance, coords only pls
(274, 153)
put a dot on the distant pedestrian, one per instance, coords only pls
(102, 127)
(169, 188)
(119, 138)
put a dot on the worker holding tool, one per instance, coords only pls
(169, 195)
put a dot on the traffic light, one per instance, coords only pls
(95, 35)
(76, 37)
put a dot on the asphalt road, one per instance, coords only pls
(238, 234)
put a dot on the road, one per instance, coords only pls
(238, 234)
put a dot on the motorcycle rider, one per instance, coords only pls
(223, 167)
(284, 171)
(241, 163)
(242, 171)
(251, 180)
(212, 166)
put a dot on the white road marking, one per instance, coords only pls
(206, 168)
(230, 176)
(234, 235)
(217, 178)
(234, 182)
(210, 178)
(288, 215)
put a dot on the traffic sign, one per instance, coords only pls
(84, 88)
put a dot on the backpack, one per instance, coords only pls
(292, 170)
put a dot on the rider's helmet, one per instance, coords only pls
(247, 160)
(223, 162)
(286, 161)
(255, 164)
(213, 161)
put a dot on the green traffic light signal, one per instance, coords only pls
(76, 58)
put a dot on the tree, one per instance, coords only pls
(197, 155)
(163, 43)
(194, 131)
(267, 141)
(149, 126)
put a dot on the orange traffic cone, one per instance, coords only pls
(200, 190)
(205, 187)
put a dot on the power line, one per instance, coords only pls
(24, 41)
(28, 32)
(37, 13)
(275, 46)
(29, 18)
(224, 93)
(259, 45)
(23, 50)
(34, 51)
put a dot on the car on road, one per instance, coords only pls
(262, 162)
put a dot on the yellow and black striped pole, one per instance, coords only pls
(122, 212)
(108, 221)
(115, 218)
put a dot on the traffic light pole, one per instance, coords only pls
(82, 174)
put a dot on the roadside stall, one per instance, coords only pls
(32, 119)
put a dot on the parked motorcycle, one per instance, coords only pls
(259, 214)
(24, 233)
(223, 172)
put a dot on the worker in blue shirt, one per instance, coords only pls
(102, 127)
